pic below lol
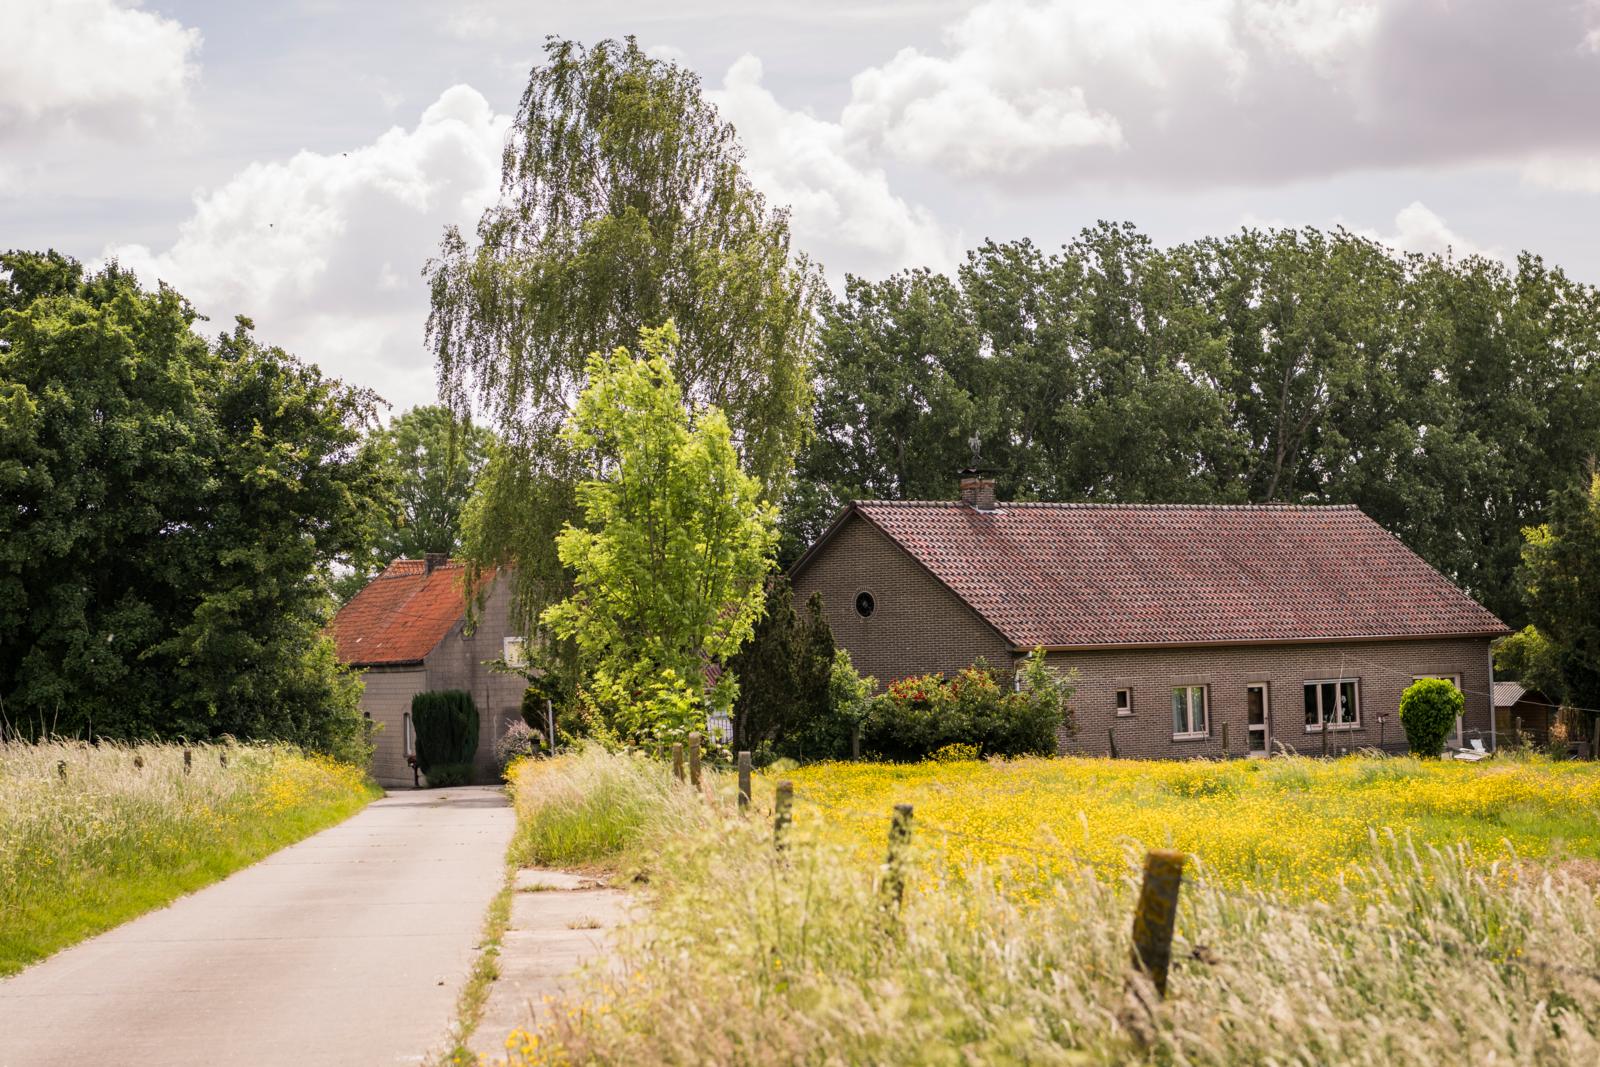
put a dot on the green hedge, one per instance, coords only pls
(446, 725)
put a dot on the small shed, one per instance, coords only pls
(407, 633)
(1516, 706)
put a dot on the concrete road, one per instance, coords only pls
(348, 948)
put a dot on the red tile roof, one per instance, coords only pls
(1077, 575)
(401, 614)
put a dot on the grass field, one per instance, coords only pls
(1361, 911)
(87, 849)
(1300, 828)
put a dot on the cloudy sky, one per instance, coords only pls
(296, 161)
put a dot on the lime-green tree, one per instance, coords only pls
(672, 550)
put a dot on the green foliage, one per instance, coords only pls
(672, 552)
(1444, 397)
(624, 205)
(784, 673)
(446, 725)
(1527, 657)
(918, 717)
(1428, 711)
(173, 512)
(433, 459)
(1561, 580)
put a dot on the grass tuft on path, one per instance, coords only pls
(92, 836)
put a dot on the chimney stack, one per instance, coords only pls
(977, 490)
(430, 560)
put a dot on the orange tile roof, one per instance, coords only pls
(1084, 575)
(401, 614)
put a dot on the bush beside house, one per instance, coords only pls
(1428, 711)
(446, 725)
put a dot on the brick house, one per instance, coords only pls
(1196, 630)
(407, 633)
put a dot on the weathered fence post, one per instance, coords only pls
(1111, 740)
(694, 760)
(138, 763)
(1155, 915)
(855, 742)
(782, 813)
(61, 769)
(677, 760)
(1324, 739)
(188, 761)
(893, 886)
(1224, 739)
(744, 781)
(222, 758)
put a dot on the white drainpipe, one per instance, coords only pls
(1494, 741)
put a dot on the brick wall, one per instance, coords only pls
(917, 624)
(457, 662)
(1382, 669)
(387, 698)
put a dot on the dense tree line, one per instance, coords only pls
(172, 511)
(1450, 399)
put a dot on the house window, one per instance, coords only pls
(408, 735)
(513, 652)
(1333, 704)
(1189, 712)
(1125, 701)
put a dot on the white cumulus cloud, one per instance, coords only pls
(324, 251)
(842, 205)
(1197, 92)
(91, 65)
(1418, 228)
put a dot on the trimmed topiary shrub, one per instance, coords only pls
(446, 725)
(1428, 711)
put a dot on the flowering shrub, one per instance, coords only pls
(518, 742)
(920, 716)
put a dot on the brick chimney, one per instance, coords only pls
(977, 490)
(430, 560)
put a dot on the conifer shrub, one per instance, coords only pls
(446, 725)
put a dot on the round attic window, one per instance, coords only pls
(864, 604)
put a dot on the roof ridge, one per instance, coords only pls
(1001, 505)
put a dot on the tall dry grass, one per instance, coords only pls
(90, 838)
(747, 957)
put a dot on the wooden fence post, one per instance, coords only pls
(1111, 739)
(782, 813)
(855, 742)
(744, 781)
(61, 769)
(138, 763)
(188, 761)
(893, 886)
(677, 760)
(694, 760)
(1155, 915)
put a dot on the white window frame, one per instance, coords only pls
(1325, 725)
(1455, 680)
(1123, 707)
(514, 650)
(1205, 711)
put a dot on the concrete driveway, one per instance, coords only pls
(348, 948)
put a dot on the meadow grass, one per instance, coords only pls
(109, 840)
(1410, 945)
